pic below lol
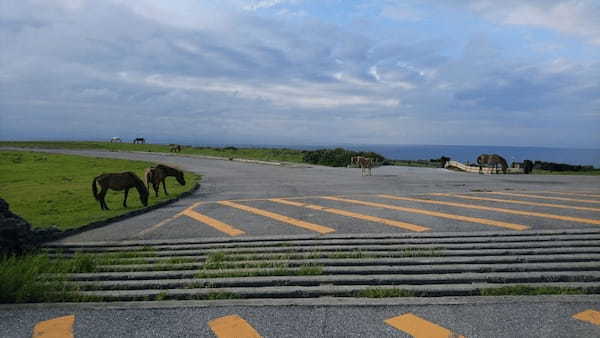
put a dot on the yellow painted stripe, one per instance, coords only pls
(508, 211)
(232, 326)
(296, 222)
(403, 225)
(590, 316)
(580, 193)
(433, 213)
(560, 206)
(226, 228)
(419, 327)
(61, 327)
(541, 197)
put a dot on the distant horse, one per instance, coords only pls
(366, 164)
(115, 139)
(176, 148)
(118, 181)
(156, 176)
(492, 159)
(139, 140)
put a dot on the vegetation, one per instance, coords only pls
(37, 278)
(524, 290)
(337, 157)
(263, 154)
(51, 189)
(383, 293)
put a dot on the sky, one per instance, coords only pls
(302, 72)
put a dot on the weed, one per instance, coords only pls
(525, 290)
(383, 293)
(161, 296)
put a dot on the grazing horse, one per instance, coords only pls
(156, 176)
(366, 164)
(118, 181)
(492, 159)
(139, 140)
(176, 148)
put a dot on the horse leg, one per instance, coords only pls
(165, 186)
(125, 199)
(101, 195)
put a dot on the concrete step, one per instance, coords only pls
(376, 276)
(339, 243)
(343, 266)
(468, 289)
(492, 261)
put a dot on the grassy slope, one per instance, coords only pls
(51, 189)
(264, 154)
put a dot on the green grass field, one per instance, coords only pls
(263, 154)
(51, 189)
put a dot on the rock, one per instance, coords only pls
(16, 235)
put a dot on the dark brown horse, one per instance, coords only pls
(156, 176)
(176, 148)
(492, 160)
(118, 181)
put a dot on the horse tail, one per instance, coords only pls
(95, 188)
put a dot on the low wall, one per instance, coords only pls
(484, 170)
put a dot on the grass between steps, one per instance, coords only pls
(55, 190)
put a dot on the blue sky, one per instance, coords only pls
(511, 72)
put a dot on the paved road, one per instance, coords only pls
(502, 317)
(247, 188)
(236, 200)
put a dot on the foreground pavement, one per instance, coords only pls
(299, 243)
(540, 316)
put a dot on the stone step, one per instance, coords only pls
(442, 273)
(492, 261)
(383, 242)
(467, 289)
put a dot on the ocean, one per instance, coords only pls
(470, 153)
(467, 153)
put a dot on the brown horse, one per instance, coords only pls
(492, 159)
(176, 148)
(118, 181)
(156, 176)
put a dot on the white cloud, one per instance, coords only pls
(576, 17)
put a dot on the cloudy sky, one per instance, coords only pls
(510, 72)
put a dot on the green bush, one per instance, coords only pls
(337, 157)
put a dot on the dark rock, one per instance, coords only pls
(16, 235)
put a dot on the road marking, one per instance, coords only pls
(167, 220)
(561, 206)
(226, 228)
(403, 225)
(296, 222)
(61, 327)
(590, 316)
(433, 213)
(157, 225)
(580, 193)
(540, 196)
(419, 327)
(508, 211)
(232, 326)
